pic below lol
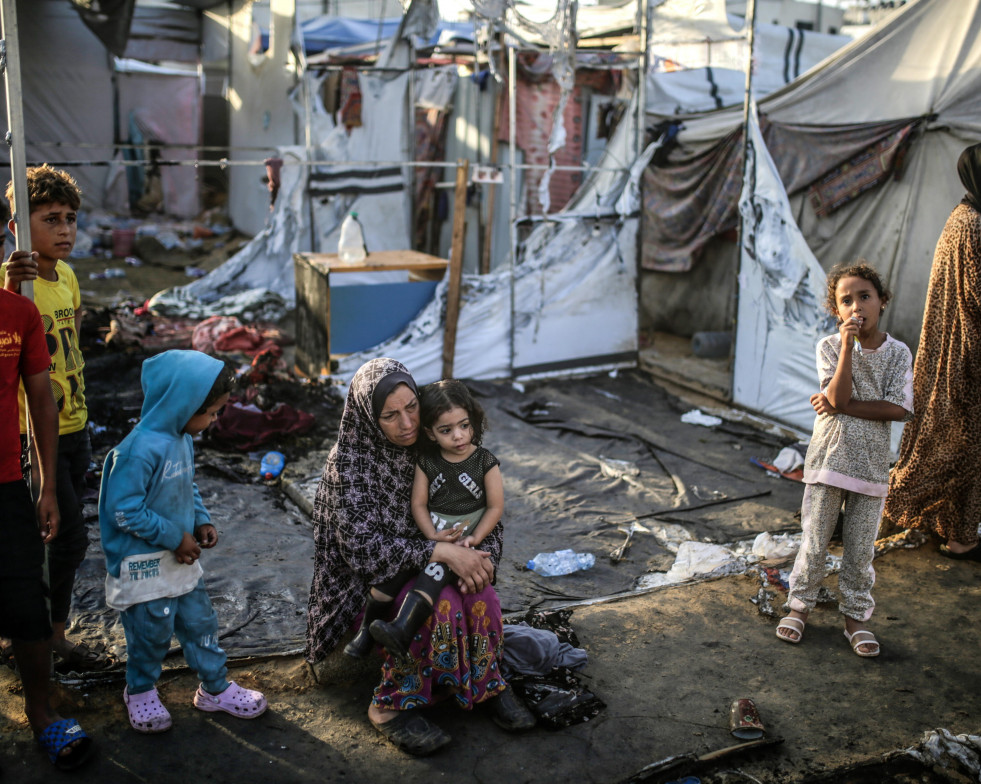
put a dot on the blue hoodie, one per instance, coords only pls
(148, 499)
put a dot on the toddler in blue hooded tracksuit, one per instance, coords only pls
(154, 525)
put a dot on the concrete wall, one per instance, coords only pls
(260, 113)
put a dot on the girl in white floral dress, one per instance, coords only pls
(866, 382)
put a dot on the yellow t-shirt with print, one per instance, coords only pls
(57, 301)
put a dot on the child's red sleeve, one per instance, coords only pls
(34, 355)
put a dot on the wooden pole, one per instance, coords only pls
(485, 254)
(15, 137)
(456, 265)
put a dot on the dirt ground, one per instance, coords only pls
(667, 664)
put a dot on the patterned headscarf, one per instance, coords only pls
(365, 467)
(969, 170)
(363, 528)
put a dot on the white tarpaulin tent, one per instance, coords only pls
(921, 70)
(71, 104)
(574, 293)
(698, 55)
(781, 316)
(568, 302)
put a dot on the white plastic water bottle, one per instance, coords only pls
(560, 562)
(351, 245)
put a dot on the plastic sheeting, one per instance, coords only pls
(586, 463)
(781, 290)
(915, 64)
(944, 749)
(574, 295)
(699, 52)
(264, 264)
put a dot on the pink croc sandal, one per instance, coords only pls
(146, 713)
(244, 703)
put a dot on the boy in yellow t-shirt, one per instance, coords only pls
(54, 199)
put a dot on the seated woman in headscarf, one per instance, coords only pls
(364, 535)
(934, 485)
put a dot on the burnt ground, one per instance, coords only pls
(667, 663)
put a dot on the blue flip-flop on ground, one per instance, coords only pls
(61, 734)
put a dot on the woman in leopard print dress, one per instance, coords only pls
(935, 486)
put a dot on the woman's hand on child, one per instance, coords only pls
(206, 535)
(189, 551)
(474, 568)
(822, 405)
(21, 266)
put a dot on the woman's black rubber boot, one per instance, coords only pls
(362, 643)
(397, 635)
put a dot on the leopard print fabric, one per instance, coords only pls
(935, 484)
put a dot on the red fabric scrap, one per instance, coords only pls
(247, 427)
(227, 335)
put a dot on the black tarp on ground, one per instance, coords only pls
(582, 459)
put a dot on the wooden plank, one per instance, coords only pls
(312, 318)
(382, 260)
(456, 265)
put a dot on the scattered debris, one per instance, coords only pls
(696, 417)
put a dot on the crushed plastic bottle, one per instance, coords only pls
(271, 465)
(351, 245)
(560, 562)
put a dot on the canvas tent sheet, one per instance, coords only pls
(781, 291)
(918, 66)
(698, 57)
(67, 93)
(582, 460)
(69, 102)
(570, 301)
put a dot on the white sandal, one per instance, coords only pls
(856, 644)
(788, 623)
(147, 713)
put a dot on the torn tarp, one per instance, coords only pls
(942, 748)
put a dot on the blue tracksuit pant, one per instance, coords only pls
(149, 628)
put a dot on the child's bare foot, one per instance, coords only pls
(791, 628)
(862, 640)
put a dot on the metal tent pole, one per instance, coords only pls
(513, 156)
(10, 60)
(642, 64)
(10, 56)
